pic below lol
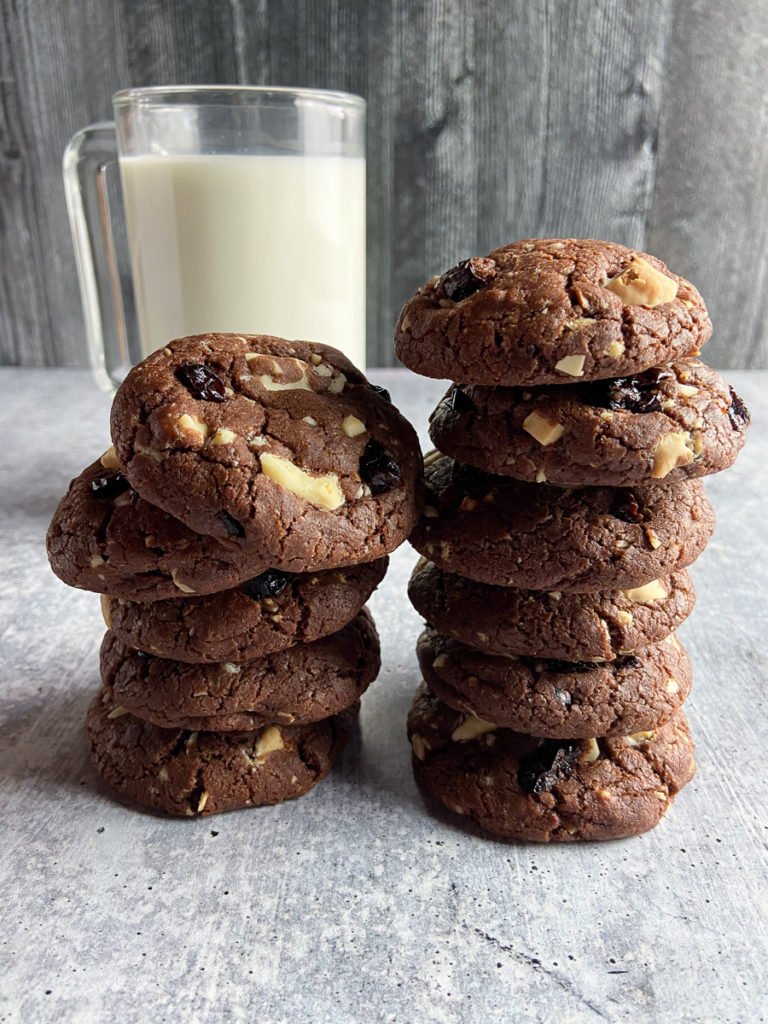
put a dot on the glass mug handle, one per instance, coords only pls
(86, 160)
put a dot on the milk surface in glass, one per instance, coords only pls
(251, 244)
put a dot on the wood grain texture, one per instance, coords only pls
(643, 123)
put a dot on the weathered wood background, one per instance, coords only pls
(644, 123)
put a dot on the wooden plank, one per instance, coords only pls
(709, 217)
(485, 124)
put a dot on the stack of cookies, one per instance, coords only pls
(563, 505)
(236, 530)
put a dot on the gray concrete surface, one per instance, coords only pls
(356, 903)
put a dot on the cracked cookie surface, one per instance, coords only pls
(558, 699)
(550, 624)
(674, 423)
(296, 686)
(266, 614)
(524, 788)
(104, 537)
(186, 774)
(507, 532)
(549, 311)
(281, 446)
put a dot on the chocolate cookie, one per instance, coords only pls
(673, 423)
(550, 311)
(525, 788)
(266, 614)
(104, 537)
(303, 684)
(558, 699)
(551, 624)
(187, 773)
(506, 532)
(280, 445)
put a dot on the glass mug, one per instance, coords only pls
(245, 212)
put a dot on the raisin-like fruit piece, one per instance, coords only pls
(738, 413)
(459, 401)
(269, 584)
(109, 486)
(631, 394)
(626, 506)
(565, 667)
(233, 526)
(469, 478)
(378, 468)
(379, 390)
(466, 278)
(549, 764)
(201, 382)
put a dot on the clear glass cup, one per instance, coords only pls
(245, 212)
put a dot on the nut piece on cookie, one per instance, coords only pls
(642, 285)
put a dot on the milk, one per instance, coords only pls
(250, 244)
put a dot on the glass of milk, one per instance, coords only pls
(244, 210)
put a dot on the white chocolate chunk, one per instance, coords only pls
(637, 739)
(470, 728)
(590, 751)
(672, 686)
(181, 586)
(109, 459)
(223, 436)
(271, 739)
(230, 668)
(270, 384)
(647, 594)
(96, 561)
(202, 801)
(642, 285)
(432, 457)
(352, 426)
(687, 390)
(337, 384)
(419, 746)
(309, 420)
(572, 365)
(615, 349)
(118, 712)
(106, 610)
(624, 618)
(320, 491)
(672, 450)
(544, 431)
(192, 425)
(653, 538)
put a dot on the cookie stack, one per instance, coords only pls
(563, 505)
(236, 530)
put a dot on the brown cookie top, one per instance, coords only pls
(551, 311)
(280, 445)
(186, 774)
(672, 423)
(525, 788)
(502, 531)
(104, 537)
(293, 687)
(550, 623)
(269, 613)
(558, 699)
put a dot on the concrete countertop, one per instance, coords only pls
(356, 903)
